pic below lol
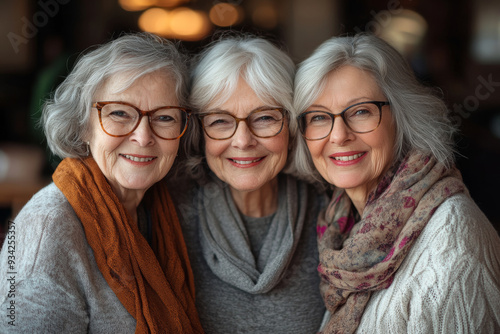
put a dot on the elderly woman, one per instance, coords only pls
(249, 225)
(403, 248)
(100, 250)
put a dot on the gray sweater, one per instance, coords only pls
(293, 306)
(52, 283)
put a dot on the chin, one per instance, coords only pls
(247, 186)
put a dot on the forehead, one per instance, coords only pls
(128, 86)
(349, 84)
(242, 99)
(122, 81)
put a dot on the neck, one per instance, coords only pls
(261, 202)
(358, 198)
(359, 195)
(130, 200)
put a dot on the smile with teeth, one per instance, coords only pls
(348, 157)
(245, 162)
(136, 159)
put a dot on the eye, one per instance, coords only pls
(317, 118)
(361, 112)
(120, 115)
(164, 119)
(217, 120)
(265, 116)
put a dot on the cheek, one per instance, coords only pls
(280, 146)
(214, 149)
(315, 148)
(383, 153)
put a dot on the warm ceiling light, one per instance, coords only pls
(405, 31)
(225, 14)
(265, 16)
(155, 20)
(188, 24)
(169, 3)
(136, 5)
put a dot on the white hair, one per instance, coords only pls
(65, 117)
(268, 70)
(421, 118)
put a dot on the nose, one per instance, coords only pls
(143, 134)
(340, 132)
(243, 137)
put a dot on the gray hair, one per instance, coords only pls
(65, 117)
(268, 70)
(421, 117)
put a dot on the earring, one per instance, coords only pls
(88, 149)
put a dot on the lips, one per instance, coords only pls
(347, 158)
(245, 162)
(137, 158)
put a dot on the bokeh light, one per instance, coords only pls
(181, 23)
(155, 20)
(226, 14)
(169, 3)
(404, 31)
(188, 24)
(136, 5)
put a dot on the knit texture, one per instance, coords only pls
(58, 286)
(293, 305)
(449, 281)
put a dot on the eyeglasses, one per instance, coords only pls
(361, 117)
(263, 123)
(119, 119)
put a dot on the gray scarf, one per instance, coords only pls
(226, 245)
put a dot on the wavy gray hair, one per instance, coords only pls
(268, 70)
(65, 117)
(421, 118)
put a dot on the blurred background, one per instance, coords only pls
(454, 45)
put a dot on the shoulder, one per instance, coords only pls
(47, 211)
(47, 233)
(460, 227)
(454, 263)
(457, 242)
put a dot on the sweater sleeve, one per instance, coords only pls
(449, 282)
(41, 265)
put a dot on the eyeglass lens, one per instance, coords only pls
(359, 118)
(120, 119)
(262, 123)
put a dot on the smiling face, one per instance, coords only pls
(135, 162)
(349, 160)
(244, 161)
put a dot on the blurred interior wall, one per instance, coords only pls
(309, 24)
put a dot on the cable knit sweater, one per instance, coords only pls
(449, 281)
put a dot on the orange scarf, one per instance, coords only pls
(156, 284)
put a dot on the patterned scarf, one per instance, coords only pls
(155, 284)
(359, 258)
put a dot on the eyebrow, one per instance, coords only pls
(223, 111)
(348, 104)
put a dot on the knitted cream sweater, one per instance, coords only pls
(449, 281)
